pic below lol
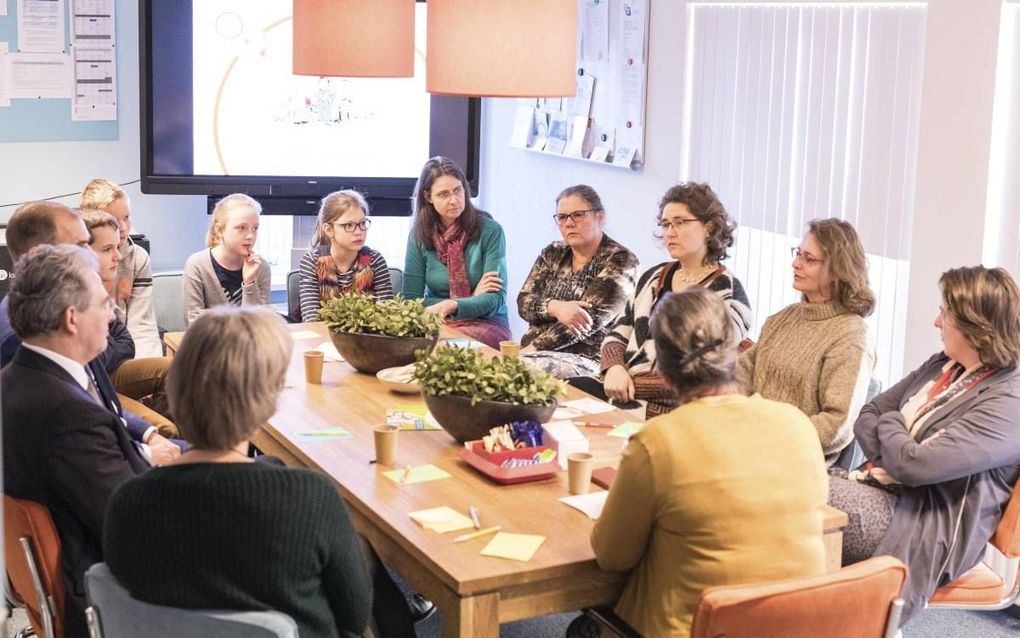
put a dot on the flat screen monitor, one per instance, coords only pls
(222, 112)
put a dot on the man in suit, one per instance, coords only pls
(38, 223)
(64, 444)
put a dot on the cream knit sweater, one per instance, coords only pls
(818, 358)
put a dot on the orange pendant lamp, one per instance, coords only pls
(354, 38)
(502, 48)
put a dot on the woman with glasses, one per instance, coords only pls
(576, 288)
(694, 226)
(942, 443)
(339, 261)
(456, 255)
(815, 354)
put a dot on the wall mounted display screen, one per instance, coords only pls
(222, 111)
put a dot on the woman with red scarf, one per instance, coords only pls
(456, 256)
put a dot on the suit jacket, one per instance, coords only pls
(63, 450)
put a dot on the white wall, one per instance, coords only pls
(519, 187)
(29, 171)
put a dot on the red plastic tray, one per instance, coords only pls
(497, 458)
(511, 475)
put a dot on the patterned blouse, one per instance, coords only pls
(321, 281)
(606, 282)
(629, 342)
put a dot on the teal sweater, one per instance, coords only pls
(426, 276)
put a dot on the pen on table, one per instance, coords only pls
(594, 425)
(473, 511)
(406, 474)
(481, 532)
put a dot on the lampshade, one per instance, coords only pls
(502, 48)
(354, 38)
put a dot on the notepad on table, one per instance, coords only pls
(588, 405)
(411, 417)
(329, 351)
(441, 519)
(625, 430)
(590, 503)
(419, 474)
(330, 434)
(303, 334)
(513, 546)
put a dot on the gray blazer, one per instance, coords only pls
(201, 288)
(956, 486)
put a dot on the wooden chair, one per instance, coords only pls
(981, 588)
(32, 554)
(860, 600)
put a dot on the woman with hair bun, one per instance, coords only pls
(725, 489)
(816, 354)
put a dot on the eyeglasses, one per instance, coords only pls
(807, 258)
(576, 216)
(446, 196)
(674, 224)
(350, 226)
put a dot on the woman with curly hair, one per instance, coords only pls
(694, 226)
(815, 354)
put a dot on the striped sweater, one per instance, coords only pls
(313, 291)
(630, 344)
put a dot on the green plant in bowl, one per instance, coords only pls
(397, 317)
(468, 392)
(373, 335)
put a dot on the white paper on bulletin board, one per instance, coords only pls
(612, 50)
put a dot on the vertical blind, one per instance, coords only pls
(797, 111)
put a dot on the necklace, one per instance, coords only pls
(694, 276)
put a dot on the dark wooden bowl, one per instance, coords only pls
(372, 353)
(466, 422)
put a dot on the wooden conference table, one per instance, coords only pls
(475, 593)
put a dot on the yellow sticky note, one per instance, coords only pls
(625, 430)
(418, 474)
(441, 519)
(513, 546)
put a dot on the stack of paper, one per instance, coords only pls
(590, 503)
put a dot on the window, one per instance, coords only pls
(797, 111)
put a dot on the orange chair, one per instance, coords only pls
(981, 588)
(860, 600)
(32, 554)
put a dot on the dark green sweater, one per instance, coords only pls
(243, 536)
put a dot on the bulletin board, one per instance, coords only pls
(604, 121)
(57, 87)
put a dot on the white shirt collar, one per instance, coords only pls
(75, 369)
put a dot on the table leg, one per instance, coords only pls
(470, 616)
(833, 542)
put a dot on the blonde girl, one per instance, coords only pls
(228, 271)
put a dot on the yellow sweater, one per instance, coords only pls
(723, 490)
